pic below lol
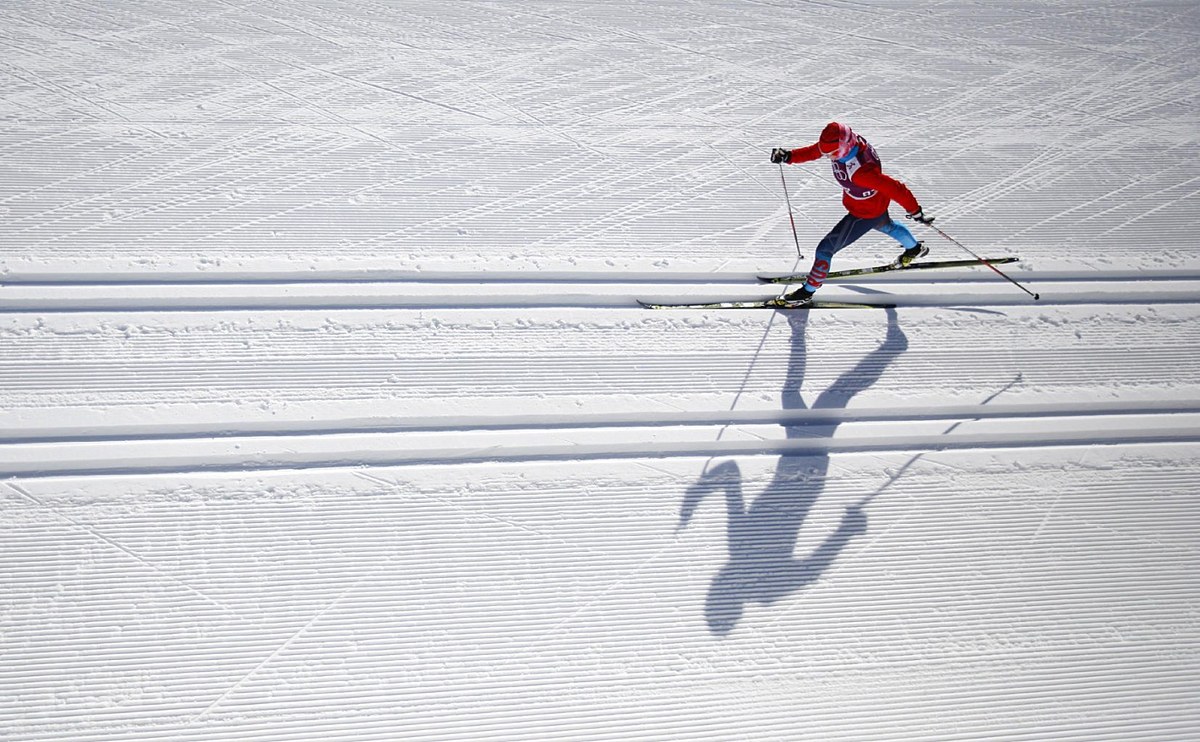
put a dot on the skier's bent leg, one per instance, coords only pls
(844, 234)
(898, 232)
(913, 248)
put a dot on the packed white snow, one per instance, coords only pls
(327, 410)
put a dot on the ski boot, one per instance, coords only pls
(908, 256)
(798, 299)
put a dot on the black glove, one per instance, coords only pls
(780, 155)
(919, 216)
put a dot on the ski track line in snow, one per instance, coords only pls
(465, 278)
(240, 297)
(786, 418)
(352, 450)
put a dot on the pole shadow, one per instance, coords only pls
(762, 537)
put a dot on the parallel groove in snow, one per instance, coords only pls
(798, 419)
(398, 449)
(396, 279)
(235, 298)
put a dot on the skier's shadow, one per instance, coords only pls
(762, 566)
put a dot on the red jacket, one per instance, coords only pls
(866, 191)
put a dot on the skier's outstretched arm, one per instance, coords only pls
(726, 477)
(795, 156)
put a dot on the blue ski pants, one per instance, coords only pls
(845, 233)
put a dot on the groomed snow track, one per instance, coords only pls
(327, 410)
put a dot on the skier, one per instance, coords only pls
(867, 192)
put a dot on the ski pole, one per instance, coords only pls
(1007, 277)
(791, 218)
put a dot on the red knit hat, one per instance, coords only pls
(837, 139)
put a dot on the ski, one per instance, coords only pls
(765, 304)
(800, 277)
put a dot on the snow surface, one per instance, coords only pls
(326, 411)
